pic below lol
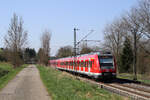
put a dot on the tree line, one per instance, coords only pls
(66, 51)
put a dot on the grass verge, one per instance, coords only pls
(64, 87)
(141, 78)
(8, 73)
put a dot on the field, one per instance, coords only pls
(62, 86)
(142, 78)
(7, 72)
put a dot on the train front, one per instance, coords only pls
(107, 66)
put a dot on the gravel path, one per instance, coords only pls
(27, 85)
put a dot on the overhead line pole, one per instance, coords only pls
(75, 44)
(75, 29)
(75, 53)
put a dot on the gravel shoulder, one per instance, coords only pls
(27, 85)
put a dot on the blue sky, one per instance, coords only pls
(60, 17)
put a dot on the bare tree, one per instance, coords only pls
(144, 14)
(45, 43)
(135, 25)
(144, 19)
(15, 39)
(41, 56)
(113, 34)
(135, 30)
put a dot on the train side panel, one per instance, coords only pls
(91, 65)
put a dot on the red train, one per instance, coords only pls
(97, 65)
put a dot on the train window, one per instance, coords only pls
(79, 64)
(106, 62)
(66, 63)
(86, 64)
(75, 63)
(83, 63)
(90, 62)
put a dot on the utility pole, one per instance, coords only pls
(86, 43)
(75, 42)
(75, 29)
(75, 52)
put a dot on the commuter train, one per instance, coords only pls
(97, 65)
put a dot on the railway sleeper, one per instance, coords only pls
(124, 93)
(117, 91)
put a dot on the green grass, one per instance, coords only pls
(62, 86)
(10, 73)
(141, 78)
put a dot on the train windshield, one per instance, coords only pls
(106, 62)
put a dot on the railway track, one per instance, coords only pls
(134, 93)
(127, 88)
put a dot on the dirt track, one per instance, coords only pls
(27, 85)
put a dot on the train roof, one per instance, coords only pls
(92, 53)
